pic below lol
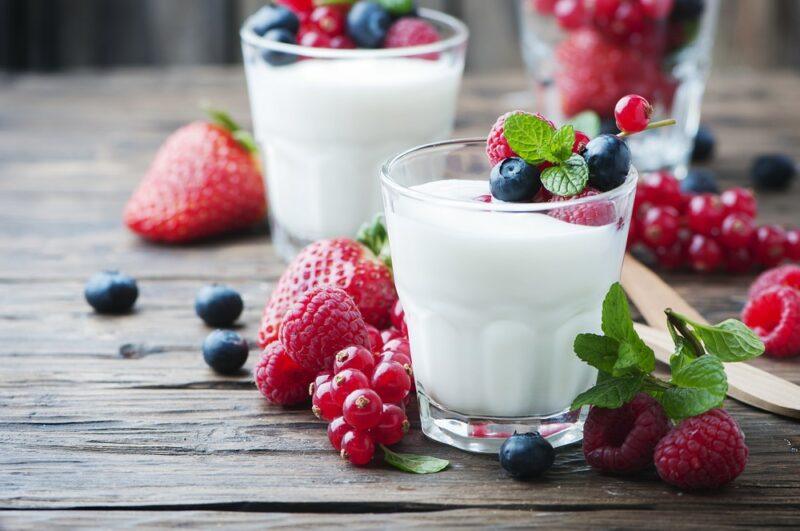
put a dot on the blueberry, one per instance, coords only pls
(218, 305)
(514, 180)
(700, 181)
(609, 161)
(367, 24)
(225, 351)
(272, 17)
(111, 292)
(274, 57)
(772, 172)
(526, 455)
(703, 145)
(687, 9)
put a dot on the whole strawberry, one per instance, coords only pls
(319, 324)
(203, 182)
(341, 262)
(702, 452)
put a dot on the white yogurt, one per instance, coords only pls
(494, 300)
(326, 126)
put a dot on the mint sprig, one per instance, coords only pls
(536, 141)
(415, 464)
(625, 363)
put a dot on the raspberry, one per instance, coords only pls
(362, 409)
(410, 31)
(706, 451)
(769, 246)
(391, 381)
(279, 378)
(622, 440)
(393, 425)
(660, 227)
(322, 322)
(358, 358)
(496, 144)
(358, 447)
(632, 113)
(774, 314)
(787, 275)
(590, 214)
(336, 430)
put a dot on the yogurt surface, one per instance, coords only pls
(494, 300)
(326, 126)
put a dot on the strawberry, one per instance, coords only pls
(343, 262)
(204, 181)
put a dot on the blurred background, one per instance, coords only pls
(57, 35)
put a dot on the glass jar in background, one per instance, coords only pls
(584, 55)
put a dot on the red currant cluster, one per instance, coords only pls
(364, 396)
(323, 26)
(616, 47)
(706, 232)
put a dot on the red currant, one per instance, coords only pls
(358, 447)
(319, 379)
(375, 341)
(738, 260)
(391, 381)
(581, 139)
(705, 254)
(628, 19)
(737, 230)
(604, 11)
(392, 426)
(399, 357)
(656, 9)
(793, 244)
(313, 39)
(355, 357)
(342, 42)
(346, 382)
(570, 14)
(705, 214)
(323, 404)
(397, 315)
(398, 345)
(330, 20)
(660, 227)
(545, 7)
(769, 246)
(632, 113)
(659, 188)
(389, 334)
(362, 409)
(671, 257)
(336, 430)
(739, 200)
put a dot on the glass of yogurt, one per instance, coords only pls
(494, 294)
(325, 119)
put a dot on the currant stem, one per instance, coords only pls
(651, 125)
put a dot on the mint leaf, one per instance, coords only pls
(394, 7)
(529, 136)
(416, 464)
(682, 357)
(730, 340)
(617, 321)
(699, 386)
(598, 351)
(587, 122)
(610, 393)
(634, 356)
(567, 178)
(561, 144)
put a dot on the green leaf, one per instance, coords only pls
(561, 144)
(222, 119)
(416, 464)
(617, 321)
(246, 140)
(700, 385)
(588, 122)
(683, 355)
(610, 393)
(529, 136)
(396, 7)
(374, 236)
(634, 356)
(333, 2)
(598, 351)
(567, 178)
(730, 340)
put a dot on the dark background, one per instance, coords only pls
(54, 35)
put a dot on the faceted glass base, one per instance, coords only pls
(285, 243)
(486, 434)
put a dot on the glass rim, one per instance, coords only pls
(459, 37)
(388, 182)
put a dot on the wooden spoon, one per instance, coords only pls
(746, 383)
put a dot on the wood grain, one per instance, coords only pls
(116, 422)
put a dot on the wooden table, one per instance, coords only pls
(116, 421)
